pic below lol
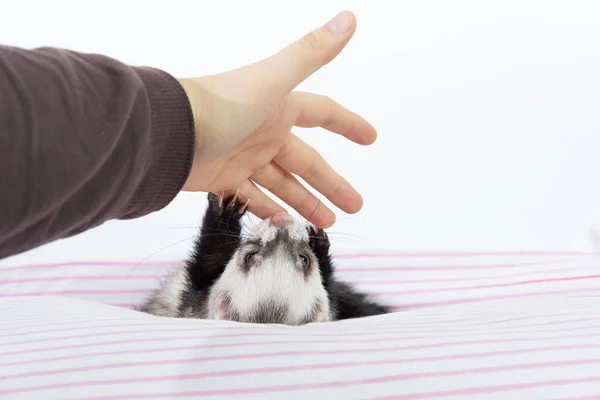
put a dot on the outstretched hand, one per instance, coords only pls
(243, 124)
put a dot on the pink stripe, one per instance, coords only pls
(82, 278)
(495, 285)
(392, 254)
(473, 278)
(578, 398)
(304, 386)
(385, 326)
(447, 267)
(395, 253)
(20, 323)
(488, 298)
(496, 389)
(417, 396)
(338, 269)
(162, 349)
(461, 323)
(231, 345)
(148, 327)
(63, 323)
(93, 264)
(210, 346)
(79, 292)
(131, 278)
(246, 371)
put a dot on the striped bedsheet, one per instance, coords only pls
(466, 326)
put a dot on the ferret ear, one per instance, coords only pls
(319, 244)
(318, 241)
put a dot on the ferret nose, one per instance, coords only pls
(280, 219)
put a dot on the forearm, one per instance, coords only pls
(85, 139)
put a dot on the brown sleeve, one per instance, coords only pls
(85, 139)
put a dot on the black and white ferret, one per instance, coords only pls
(281, 273)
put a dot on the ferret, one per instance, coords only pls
(280, 273)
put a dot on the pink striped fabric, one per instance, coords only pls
(468, 325)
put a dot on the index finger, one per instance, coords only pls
(298, 158)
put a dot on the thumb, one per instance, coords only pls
(286, 69)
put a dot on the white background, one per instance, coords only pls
(488, 113)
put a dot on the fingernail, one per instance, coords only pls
(341, 23)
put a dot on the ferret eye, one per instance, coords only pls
(250, 256)
(304, 258)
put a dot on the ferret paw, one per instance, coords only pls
(318, 238)
(227, 206)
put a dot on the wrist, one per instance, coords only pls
(190, 88)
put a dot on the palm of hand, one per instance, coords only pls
(244, 119)
(245, 132)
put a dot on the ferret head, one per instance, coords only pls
(274, 276)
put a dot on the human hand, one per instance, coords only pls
(243, 120)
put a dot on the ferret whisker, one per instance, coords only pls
(226, 244)
(334, 234)
(245, 224)
(225, 234)
(158, 251)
